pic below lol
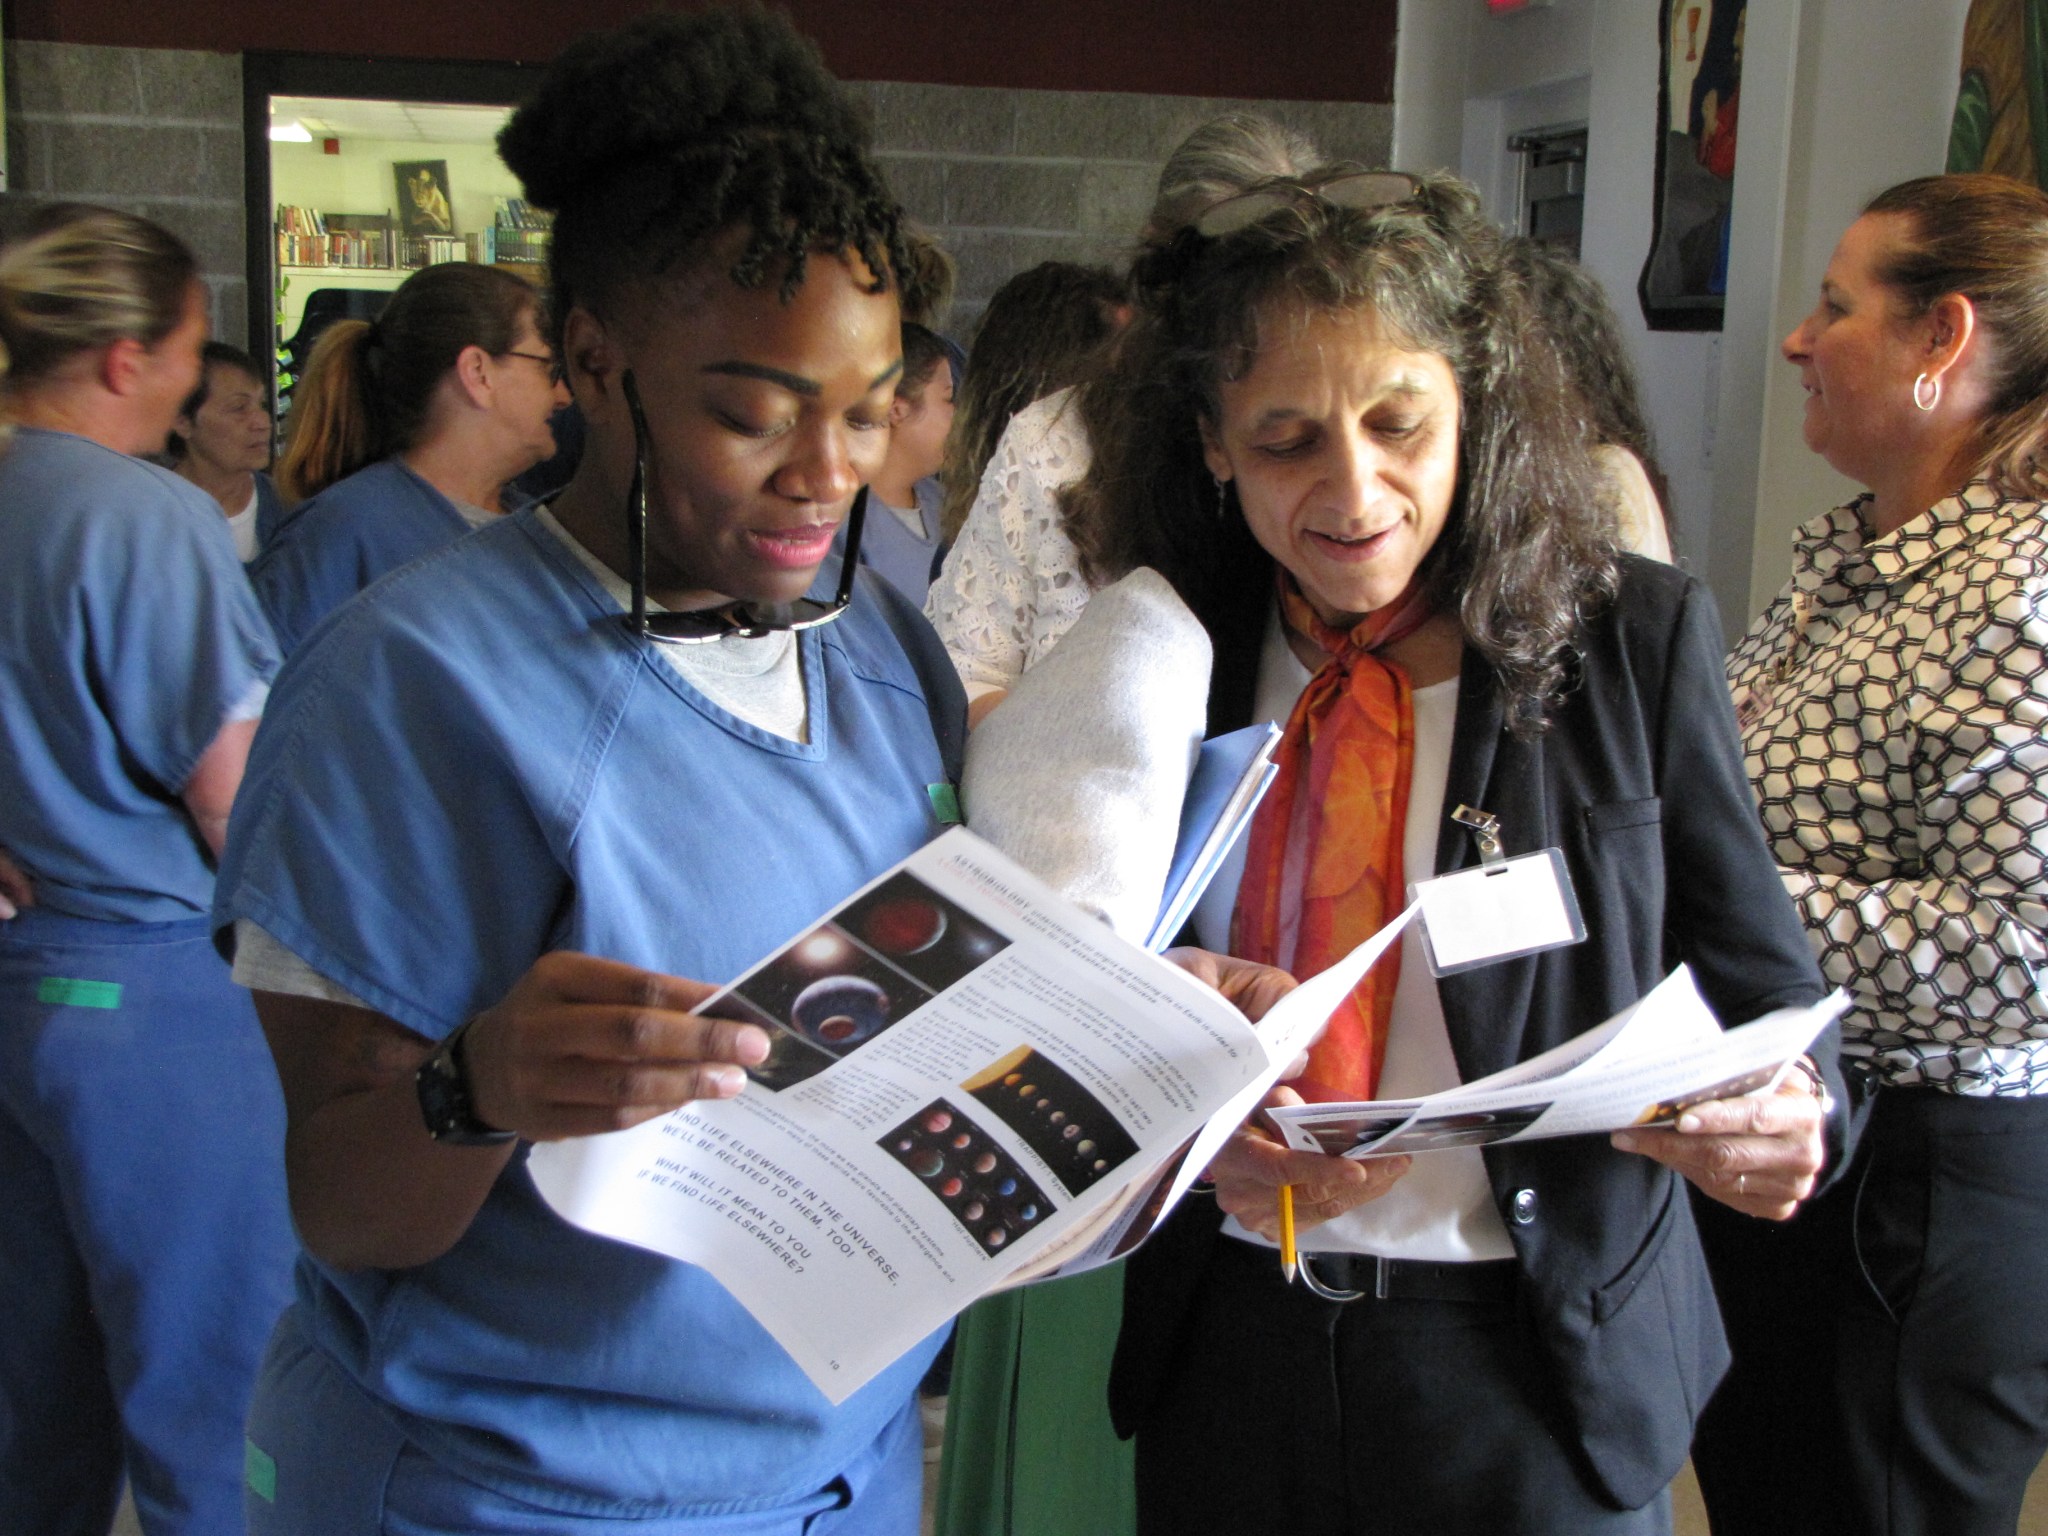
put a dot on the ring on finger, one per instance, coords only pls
(1741, 1183)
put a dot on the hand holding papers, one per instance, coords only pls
(967, 1073)
(1644, 1067)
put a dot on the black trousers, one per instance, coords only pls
(1426, 1418)
(1891, 1343)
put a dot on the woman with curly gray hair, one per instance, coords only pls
(1336, 431)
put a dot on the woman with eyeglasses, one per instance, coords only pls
(403, 433)
(145, 1245)
(1338, 433)
(515, 794)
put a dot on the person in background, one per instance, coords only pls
(221, 443)
(1029, 1449)
(1012, 582)
(930, 280)
(900, 539)
(1582, 325)
(403, 434)
(1042, 332)
(1335, 428)
(145, 1248)
(1891, 1348)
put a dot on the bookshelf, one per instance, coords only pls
(316, 249)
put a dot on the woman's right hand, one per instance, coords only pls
(1252, 1166)
(578, 1045)
(582, 1045)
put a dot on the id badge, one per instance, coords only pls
(1502, 909)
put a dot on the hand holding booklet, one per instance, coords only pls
(973, 1083)
(1645, 1066)
(967, 1073)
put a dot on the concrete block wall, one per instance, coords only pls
(152, 131)
(1009, 178)
(1004, 178)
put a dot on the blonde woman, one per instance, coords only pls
(147, 1248)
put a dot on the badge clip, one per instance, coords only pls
(1485, 832)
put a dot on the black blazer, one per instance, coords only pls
(1639, 780)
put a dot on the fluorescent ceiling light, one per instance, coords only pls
(293, 132)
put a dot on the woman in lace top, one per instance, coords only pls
(1013, 583)
(1892, 1353)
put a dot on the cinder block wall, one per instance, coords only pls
(1004, 178)
(1010, 178)
(153, 131)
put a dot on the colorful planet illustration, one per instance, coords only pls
(907, 925)
(841, 1010)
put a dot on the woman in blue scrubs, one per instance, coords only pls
(403, 433)
(145, 1249)
(492, 824)
(221, 443)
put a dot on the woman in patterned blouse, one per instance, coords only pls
(1892, 1344)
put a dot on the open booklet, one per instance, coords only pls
(1645, 1066)
(971, 1081)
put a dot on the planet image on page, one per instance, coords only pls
(918, 933)
(841, 1011)
(830, 992)
(905, 925)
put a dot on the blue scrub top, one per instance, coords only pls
(127, 637)
(473, 764)
(907, 561)
(340, 541)
(270, 512)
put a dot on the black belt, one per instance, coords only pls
(1377, 1279)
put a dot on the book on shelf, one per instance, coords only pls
(308, 238)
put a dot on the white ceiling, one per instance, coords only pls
(332, 117)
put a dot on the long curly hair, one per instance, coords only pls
(647, 140)
(1529, 548)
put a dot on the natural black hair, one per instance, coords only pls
(647, 140)
(1528, 550)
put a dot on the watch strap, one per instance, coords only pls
(446, 1100)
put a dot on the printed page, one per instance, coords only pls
(1652, 1062)
(965, 1070)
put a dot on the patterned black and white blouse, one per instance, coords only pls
(1894, 708)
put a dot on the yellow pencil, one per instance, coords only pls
(1289, 1261)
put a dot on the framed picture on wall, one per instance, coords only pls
(1684, 284)
(423, 204)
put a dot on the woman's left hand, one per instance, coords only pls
(1251, 987)
(1758, 1154)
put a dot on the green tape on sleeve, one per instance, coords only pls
(68, 992)
(259, 1471)
(945, 803)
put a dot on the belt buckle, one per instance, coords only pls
(1342, 1295)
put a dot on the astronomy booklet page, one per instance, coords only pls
(971, 1081)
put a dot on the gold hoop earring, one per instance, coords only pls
(1932, 387)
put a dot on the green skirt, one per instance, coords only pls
(1028, 1448)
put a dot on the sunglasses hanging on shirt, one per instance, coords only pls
(738, 620)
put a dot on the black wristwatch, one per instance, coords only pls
(442, 1083)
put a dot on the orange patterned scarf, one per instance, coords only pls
(1322, 867)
